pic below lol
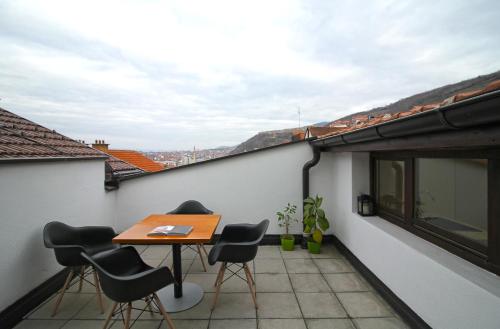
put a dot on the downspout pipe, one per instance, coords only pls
(305, 180)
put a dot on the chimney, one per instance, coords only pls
(100, 145)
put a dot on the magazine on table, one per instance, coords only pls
(171, 230)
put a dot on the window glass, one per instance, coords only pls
(451, 195)
(390, 186)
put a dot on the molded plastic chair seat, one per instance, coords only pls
(238, 244)
(68, 242)
(193, 207)
(126, 278)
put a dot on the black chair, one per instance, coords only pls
(126, 278)
(237, 245)
(193, 207)
(68, 242)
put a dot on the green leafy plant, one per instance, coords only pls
(286, 218)
(315, 220)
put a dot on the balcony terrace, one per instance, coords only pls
(434, 273)
(295, 290)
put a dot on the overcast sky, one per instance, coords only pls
(165, 75)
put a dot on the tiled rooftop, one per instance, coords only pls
(118, 166)
(361, 121)
(295, 290)
(24, 139)
(137, 159)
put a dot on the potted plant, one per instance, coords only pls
(315, 223)
(285, 219)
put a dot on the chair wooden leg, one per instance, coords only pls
(163, 312)
(98, 291)
(218, 274)
(110, 315)
(204, 250)
(127, 315)
(62, 291)
(219, 284)
(251, 285)
(201, 257)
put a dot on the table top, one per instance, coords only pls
(203, 230)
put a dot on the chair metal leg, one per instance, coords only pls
(148, 305)
(219, 284)
(127, 315)
(110, 315)
(98, 291)
(201, 257)
(82, 274)
(163, 312)
(251, 284)
(62, 291)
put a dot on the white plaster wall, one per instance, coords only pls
(32, 194)
(242, 189)
(445, 290)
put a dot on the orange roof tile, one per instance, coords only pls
(137, 159)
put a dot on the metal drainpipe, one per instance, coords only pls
(305, 180)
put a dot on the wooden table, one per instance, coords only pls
(181, 296)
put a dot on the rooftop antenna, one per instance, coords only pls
(298, 111)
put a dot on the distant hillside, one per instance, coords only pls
(264, 139)
(432, 96)
(270, 138)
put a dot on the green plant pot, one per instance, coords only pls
(288, 243)
(313, 247)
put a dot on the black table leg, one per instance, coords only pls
(176, 253)
(179, 296)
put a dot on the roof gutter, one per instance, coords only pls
(475, 111)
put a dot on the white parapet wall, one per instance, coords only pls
(446, 291)
(243, 189)
(32, 194)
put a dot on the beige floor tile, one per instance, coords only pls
(363, 305)
(302, 265)
(37, 324)
(205, 281)
(233, 324)
(297, 253)
(309, 283)
(346, 282)
(234, 305)
(320, 305)
(186, 324)
(199, 312)
(71, 304)
(329, 324)
(268, 265)
(278, 305)
(197, 267)
(333, 265)
(92, 309)
(85, 324)
(380, 323)
(268, 252)
(282, 324)
(327, 251)
(156, 252)
(140, 324)
(273, 283)
(154, 262)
